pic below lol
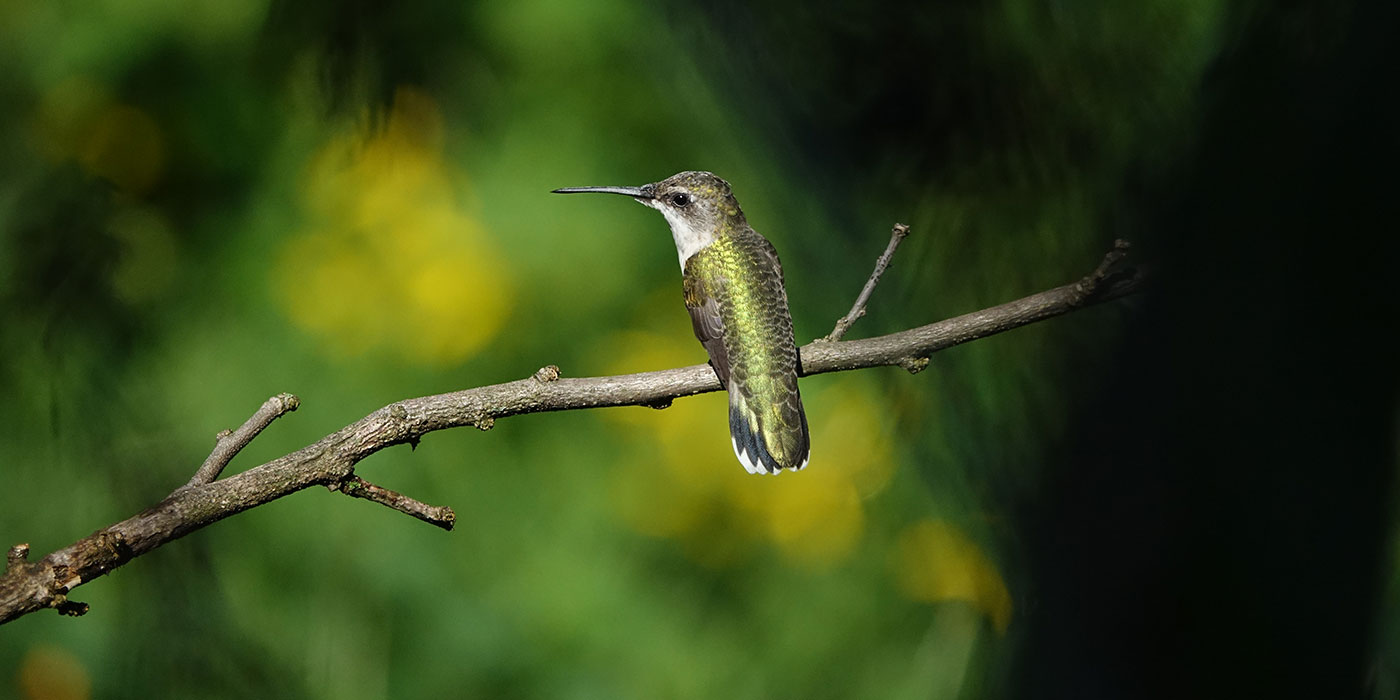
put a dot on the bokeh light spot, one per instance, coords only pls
(52, 673)
(78, 119)
(125, 147)
(389, 260)
(936, 563)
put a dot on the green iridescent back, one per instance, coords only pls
(737, 281)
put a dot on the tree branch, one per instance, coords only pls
(29, 586)
(881, 264)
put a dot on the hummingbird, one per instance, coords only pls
(733, 287)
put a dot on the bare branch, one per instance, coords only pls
(858, 310)
(29, 586)
(441, 516)
(227, 444)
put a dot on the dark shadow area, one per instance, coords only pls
(1215, 526)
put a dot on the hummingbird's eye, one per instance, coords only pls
(680, 199)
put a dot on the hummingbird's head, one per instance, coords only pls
(698, 205)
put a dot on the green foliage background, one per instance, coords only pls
(204, 204)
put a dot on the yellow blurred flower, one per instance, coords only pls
(935, 562)
(388, 260)
(815, 519)
(685, 482)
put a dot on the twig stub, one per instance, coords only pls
(914, 365)
(1089, 285)
(71, 608)
(16, 555)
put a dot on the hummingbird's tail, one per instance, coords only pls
(769, 443)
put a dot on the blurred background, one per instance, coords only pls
(1184, 494)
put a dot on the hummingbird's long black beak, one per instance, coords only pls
(638, 192)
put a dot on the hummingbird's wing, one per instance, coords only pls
(786, 442)
(752, 349)
(709, 326)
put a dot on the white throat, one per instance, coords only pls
(689, 240)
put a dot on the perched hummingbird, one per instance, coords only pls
(733, 286)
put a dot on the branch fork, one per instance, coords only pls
(228, 443)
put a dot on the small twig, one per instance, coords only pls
(441, 516)
(858, 310)
(229, 443)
